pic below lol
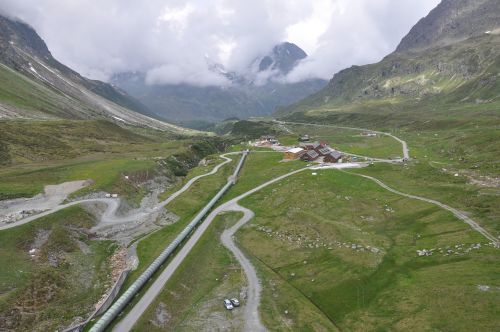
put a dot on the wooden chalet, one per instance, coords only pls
(333, 157)
(324, 151)
(294, 153)
(310, 155)
(310, 145)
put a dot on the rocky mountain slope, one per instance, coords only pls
(452, 22)
(35, 85)
(243, 98)
(454, 52)
(283, 58)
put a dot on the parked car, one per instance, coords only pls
(228, 304)
(235, 302)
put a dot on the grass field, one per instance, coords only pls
(106, 175)
(437, 156)
(480, 202)
(61, 282)
(303, 237)
(38, 153)
(346, 140)
(259, 168)
(302, 241)
(52, 152)
(474, 150)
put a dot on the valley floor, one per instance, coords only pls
(336, 251)
(372, 248)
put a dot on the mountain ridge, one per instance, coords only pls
(36, 85)
(419, 69)
(452, 21)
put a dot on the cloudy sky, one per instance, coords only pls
(173, 40)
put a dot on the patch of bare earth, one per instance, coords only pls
(209, 314)
(482, 180)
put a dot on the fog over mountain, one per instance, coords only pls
(175, 42)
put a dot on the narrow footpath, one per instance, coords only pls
(459, 214)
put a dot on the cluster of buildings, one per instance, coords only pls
(306, 150)
(267, 141)
(313, 151)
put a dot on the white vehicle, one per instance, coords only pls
(228, 304)
(235, 302)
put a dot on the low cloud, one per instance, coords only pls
(360, 32)
(181, 74)
(175, 41)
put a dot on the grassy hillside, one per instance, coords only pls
(52, 152)
(33, 99)
(461, 72)
(63, 280)
(117, 159)
(22, 49)
(38, 141)
(302, 242)
(37, 153)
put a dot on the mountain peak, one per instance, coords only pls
(452, 21)
(283, 57)
(15, 32)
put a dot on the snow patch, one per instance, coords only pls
(119, 119)
(483, 288)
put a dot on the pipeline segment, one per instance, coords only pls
(130, 293)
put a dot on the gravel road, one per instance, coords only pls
(251, 305)
(404, 145)
(110, 216)
(251, 311)
(52, 196)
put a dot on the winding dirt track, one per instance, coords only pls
(110, 216)
(252, 320)
(459, 214)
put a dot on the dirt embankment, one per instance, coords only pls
(16, 209)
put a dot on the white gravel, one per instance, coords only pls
(16, 209)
